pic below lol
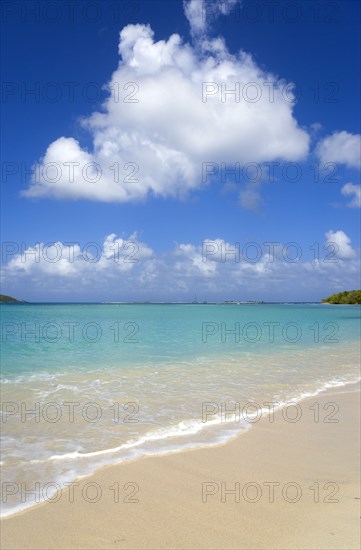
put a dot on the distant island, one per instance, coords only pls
(346, 297)
(9, 299)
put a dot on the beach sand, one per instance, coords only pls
(170, 512)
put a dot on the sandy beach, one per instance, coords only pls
(281, 484)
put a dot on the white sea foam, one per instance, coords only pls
(172, 439)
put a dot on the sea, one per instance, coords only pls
(85, 386)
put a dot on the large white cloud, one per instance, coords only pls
(156, 129)
(340, 148)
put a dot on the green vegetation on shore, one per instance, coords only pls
(9, 299)
(346, 297)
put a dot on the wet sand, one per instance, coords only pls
(181, 500)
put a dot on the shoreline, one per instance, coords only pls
(33, 527)
(328, 387)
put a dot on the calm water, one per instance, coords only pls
(110, 383)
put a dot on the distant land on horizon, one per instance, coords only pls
(10, 300)
(347, 297)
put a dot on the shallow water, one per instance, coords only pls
(110, 383)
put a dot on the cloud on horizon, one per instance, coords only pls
(123, 269)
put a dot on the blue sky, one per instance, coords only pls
(168, 134)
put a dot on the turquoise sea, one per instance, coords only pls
(86, 385)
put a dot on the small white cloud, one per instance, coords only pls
(340, 245)
(200, 13)
(353, 191)
(70, 260)
(340, 148)
(195, 13)
(250, 199)
(316, 127)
